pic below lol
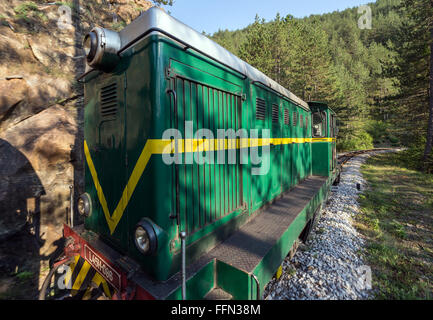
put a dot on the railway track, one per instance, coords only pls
(344, 157)
(328, 266)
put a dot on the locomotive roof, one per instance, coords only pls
(157, 20)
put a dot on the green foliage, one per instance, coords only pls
(360, 140)
(164, 2)
(117, 26)
(398, 229)
(25, 275)
(70, 4)
(377, 129)
(382, 133)
(25, 7)
(231, 40)
(3, 21)
(414, 154)
(29, 8)
(395, 222)
(410, 105)
(376, 80)
(328, 58)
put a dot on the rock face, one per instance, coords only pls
(35, 159)
(41, 111)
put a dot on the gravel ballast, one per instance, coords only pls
(329, 265)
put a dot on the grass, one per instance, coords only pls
(27, 10)
(3, 20)
(397, 222)
(23, 9)
(117, 26)
(70, 4)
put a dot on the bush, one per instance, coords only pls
(413, 156)
(381, 133)
(25, 7)
(359, 141)
(393, 139)
(377, 129)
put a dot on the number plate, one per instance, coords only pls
(102, 267)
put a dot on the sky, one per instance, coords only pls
(212, 15)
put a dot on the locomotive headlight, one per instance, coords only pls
(84, 205)
(145, 238)
(90, 45)
(142, 240)
(101, 47)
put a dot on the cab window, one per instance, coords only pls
(319, 124)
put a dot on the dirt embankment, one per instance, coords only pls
(41, 117)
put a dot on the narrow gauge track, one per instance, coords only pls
(344, 157)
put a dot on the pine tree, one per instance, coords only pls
(415, 106)
(256, 48)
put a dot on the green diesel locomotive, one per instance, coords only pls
(201, 172)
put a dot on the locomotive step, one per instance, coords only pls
(250, 244)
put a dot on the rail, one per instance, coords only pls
(343, 158)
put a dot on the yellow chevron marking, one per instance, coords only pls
(81, 276)
(154, 146)
(71, 270)
(98, 187)
(97, 280)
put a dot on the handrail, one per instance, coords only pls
(173, 93)
(183, 248)
(258, 285)
(71, 199)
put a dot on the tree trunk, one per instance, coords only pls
(429, 143)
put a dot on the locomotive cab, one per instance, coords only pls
(324, 135)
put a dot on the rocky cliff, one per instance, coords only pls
(41, 117)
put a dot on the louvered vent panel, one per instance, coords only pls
(275, 113)
(301, 122)
(286, 117)
(109, 101)
(295, 118)
(260, 109)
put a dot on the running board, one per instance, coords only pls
(218, 294)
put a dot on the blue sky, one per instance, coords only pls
(211, 15)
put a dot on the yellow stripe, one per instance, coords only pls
(71, 270)
(105, 287)
(324, 139)
(81, 276)
(97, 280)
(98, 187)
(202, 145)
(154, 146)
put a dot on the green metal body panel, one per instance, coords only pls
(199, 285)
(324, 153)
(213, 200)
(233, 280)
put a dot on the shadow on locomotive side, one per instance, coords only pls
(201, 172)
